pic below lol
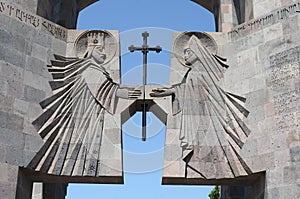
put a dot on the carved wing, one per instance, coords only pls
(212, 122)
(72, 122)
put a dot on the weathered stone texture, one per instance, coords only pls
(24, 83)
(264, 59)
(263, 54)
(64, 13)
(274, 108)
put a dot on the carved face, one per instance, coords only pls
(99, 54)
(189, 56)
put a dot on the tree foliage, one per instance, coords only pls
(215, 193)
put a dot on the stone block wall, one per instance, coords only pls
(61, 12)
(262, 7)
(29, 5)
(264, 56)
(27, 43)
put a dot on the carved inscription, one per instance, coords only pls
(286, 102)
(2, 6)
(33, 20)
(269, 19)
(284, 70)
(54, 29)
(286, 57)
(281, 76)
(287, 110)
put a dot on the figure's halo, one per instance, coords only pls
(110, 44)
(182, 40)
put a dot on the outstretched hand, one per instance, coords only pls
(161, 92)
(128, 93)
(134, 93)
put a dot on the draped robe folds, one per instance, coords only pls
(73, 118)
(211, 118)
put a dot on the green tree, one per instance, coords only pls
(215, 193)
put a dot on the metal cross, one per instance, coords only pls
(145, 49)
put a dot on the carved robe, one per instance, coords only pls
(72, 122)
(212, 127)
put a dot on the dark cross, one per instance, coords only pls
(145, 49)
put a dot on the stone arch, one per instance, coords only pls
(228, 13)
(62, 12)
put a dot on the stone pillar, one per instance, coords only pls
(236, 192)
(24, 186)
(49, 190)
(254, 191)
(24, 49)
(54, 190)
(234, 12)
(64, 13)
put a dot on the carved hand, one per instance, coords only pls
(162, 92)
(128, 93)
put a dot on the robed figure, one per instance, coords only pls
(73, 118)
(211, 125)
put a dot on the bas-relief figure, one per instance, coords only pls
(273, 149)
(212, 130)
(73, 118)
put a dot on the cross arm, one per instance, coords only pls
(132, 48)
(157, 49)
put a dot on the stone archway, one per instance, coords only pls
(65, 13)
(265, 47)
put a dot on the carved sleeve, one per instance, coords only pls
(72, 122)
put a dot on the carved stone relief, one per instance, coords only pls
(212, 128)
(283, 76)
(73, 120)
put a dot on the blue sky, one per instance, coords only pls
(160, 18)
